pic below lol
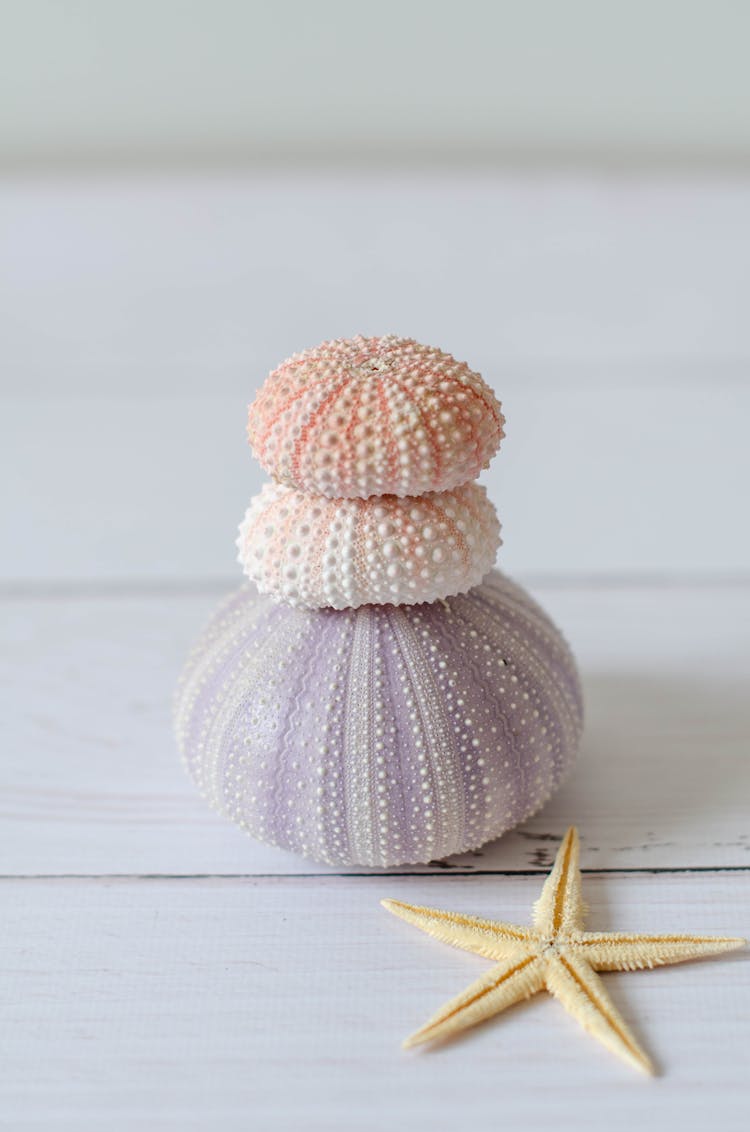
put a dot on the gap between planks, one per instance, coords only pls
(442, 872)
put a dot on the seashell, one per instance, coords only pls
(312, 551)
(382, 735)
(374, 416)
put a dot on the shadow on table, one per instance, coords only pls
(663, 778)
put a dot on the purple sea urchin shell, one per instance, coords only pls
(381, 735)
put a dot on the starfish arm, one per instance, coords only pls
(490, 938)
(501, 987)
(620, 952)
(582, 993)
(560, 906)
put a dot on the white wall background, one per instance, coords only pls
(397, 80)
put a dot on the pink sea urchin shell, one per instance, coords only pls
(374, 416)
(317, 552)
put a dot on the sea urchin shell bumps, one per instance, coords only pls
(374, 416)
(313, 551)
(386, 697)
(382, 735)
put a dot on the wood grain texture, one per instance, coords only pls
(172, 513)
(138, 317)
(280, 1004)
(92, 782)
(167, 286)
(172, 973)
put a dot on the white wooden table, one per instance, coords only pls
(157, 968)
(161, 969)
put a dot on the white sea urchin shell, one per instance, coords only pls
(317, 552)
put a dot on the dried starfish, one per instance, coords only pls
(555, 953)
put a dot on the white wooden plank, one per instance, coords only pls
(607, 480)
(92, 783)
(139, 316)
(169, 285)
(280, 1004)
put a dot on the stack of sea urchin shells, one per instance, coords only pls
(383, 696)
(373, 444)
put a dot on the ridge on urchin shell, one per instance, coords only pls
(342, 553)
(382, 735)
(360, 416)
